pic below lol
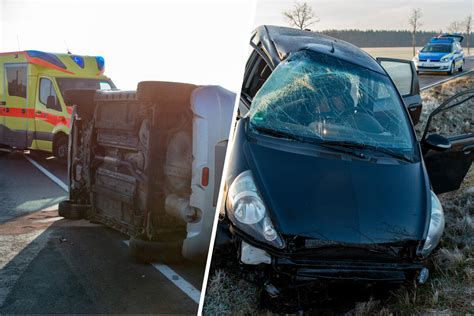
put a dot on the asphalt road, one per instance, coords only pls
(52, 265)
(427, 79)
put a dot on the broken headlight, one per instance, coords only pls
(246, 210)
(436, 227)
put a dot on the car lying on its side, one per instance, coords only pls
(326, 179)
(442, 54)
(149, 163)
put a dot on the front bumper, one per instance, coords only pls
(288, 268)
(433, 66)
(301, 271)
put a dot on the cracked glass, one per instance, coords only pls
(316, 97)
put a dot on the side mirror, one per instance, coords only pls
(437, 142)
(51, 102)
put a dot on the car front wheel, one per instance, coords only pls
(451, 70)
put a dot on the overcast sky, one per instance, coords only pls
(369, 14)
(203, 42)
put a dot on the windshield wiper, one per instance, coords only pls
(275, 133)
(312, 140)
(386, 151)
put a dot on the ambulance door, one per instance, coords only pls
(15, 112)
(48, 113)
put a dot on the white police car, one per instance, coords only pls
(442, 54)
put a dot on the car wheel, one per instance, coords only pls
(451, 70)
(156, 251)
(72, 211)
(60, 147)
(462, 67)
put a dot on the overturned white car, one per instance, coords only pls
(149, 163)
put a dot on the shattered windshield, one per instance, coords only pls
(316, 97)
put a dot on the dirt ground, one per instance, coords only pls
(449, 290)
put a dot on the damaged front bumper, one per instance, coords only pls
(284, 267)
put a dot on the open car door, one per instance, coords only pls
(403, 74)
(453, 120)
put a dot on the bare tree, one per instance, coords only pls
(415, 23)
(302, 15)
(455, 27)
(468, 30)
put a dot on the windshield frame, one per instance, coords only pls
(412, 153)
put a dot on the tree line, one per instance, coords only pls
(382, 38)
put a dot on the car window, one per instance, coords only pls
(258, 72)
(457, 118)
(437, 48)
(314, 96)
(401, 74)
(48, 96)
(16, 77)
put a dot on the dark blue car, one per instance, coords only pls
(326, 179)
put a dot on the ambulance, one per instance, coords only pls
(33, 114)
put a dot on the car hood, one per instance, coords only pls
(338, 198)
(431, 56)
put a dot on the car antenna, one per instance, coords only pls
(332, 50)
(67, 48)
(18, 42)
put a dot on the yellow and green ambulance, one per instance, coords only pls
(33, 114)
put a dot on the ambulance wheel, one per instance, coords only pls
(156, 251)
(60, 147)
(69, 210)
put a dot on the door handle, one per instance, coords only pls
(7, 109)
(468, 149)
(23, 111)
(38, 112)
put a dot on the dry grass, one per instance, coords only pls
(450, 288)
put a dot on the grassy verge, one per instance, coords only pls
(450, 288)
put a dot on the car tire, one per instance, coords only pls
(461, 69)
(156, 251)
(451, 70)
(72, 211)
(60, 147)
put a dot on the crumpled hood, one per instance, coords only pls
(431, 56)
(337, 199)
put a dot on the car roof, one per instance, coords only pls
(278, 42)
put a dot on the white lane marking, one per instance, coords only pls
(447, 79)
(177, 280)
(48, 174)
(48, 220)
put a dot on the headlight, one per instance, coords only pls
(246, 210)
(436, 226)
(445, 58)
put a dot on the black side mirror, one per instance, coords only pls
(51, 102)
(437, 142)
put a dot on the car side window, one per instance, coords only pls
(258, 72)
(16, 77)
(48, 96)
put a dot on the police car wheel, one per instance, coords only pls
(451, 70)
(60, 148)
(156, 251)
(461, 68)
